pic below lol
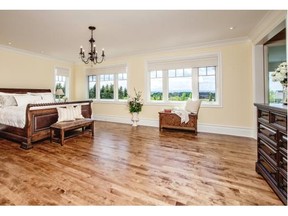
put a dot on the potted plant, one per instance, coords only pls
(135, 104)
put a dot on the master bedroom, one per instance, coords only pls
(143, 107)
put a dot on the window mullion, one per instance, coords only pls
(195, 84)
(116, 86)
(98, 87)
(165, 85)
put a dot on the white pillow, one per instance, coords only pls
(65, 114)
(77, 112)
(47, 97)
(23, 100)
(7, 100)
(192, 106)
(69, 113)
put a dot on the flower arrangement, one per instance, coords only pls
(135, 103)
(280, 74)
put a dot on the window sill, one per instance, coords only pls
(181, 104)
(110, 101)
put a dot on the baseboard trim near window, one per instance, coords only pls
(207, 128)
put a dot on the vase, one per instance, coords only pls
(134, 119)
(285, 94)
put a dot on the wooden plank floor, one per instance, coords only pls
(124, 165)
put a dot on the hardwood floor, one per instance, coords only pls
(124, 165)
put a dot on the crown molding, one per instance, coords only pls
(137, 52)
(33, 54)
(267, 24)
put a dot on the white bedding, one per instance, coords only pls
(13, 116)
(16, 115)
(183, 114)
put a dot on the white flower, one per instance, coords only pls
(280, 74)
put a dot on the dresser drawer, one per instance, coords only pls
(263, 115)
(267, 151)
(268, 167)
(268, 134)
(280, 121)
(283, 184)
(282, 142)
(283, 162)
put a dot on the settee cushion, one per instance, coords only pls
(192, 106)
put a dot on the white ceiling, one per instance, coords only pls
(59, 33)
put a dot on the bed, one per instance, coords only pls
(38, 117)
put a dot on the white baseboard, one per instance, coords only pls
(207, 128)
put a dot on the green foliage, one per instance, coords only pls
(156, 96)
(59, 86)
(122, 93)
(273, 97)
(107, 92)
(135, 103)
(92, 92)
(180, 96)
(207, 96)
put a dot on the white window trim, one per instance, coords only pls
(218, 86)
(67, 74)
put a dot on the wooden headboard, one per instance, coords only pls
(22, 91)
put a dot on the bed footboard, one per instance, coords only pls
(39, 117)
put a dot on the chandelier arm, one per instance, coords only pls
(85, 61)
(101, 60)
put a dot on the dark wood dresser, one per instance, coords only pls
(272, 147)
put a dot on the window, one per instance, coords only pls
(107, 86)
(156, 86)
(62, 81)
(207, 83)
(122, 86)
(92, 86)
(173, 81)
(180, 84)
(108, 83)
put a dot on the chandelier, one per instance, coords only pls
(93, 55)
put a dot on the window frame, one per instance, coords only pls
(195, 87)
(105, 71)
(65, 72)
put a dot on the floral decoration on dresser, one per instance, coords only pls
(280, 74)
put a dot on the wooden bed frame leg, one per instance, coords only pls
(26, 146)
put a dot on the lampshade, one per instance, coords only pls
(59, 92)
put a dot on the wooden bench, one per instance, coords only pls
(173, 121)
(68, 126)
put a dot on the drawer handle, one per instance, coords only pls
(262, 127)
(273, 152)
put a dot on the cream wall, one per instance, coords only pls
(32, 71)
(236, 68)
(23, 70)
